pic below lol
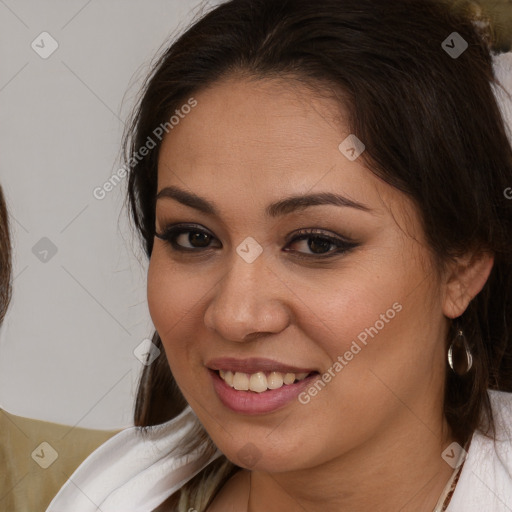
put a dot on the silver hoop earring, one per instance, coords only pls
(459, 355)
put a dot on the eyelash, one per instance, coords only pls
(342, 245)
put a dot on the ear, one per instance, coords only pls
(464, 278)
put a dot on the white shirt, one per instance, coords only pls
(485, 483)
(130, 473)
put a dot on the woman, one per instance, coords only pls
(320, 190)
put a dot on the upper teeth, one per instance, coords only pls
(259, 381)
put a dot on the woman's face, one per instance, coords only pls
(252, 293)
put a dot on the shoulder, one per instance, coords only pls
(134, 470)
(485, 482)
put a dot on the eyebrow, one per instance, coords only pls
(279, 208)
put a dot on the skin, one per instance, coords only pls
(372, 438)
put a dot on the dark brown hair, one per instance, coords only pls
(5, 258)
(431, 126)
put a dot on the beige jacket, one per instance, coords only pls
(37, 457)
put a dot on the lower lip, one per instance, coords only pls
(250, 402)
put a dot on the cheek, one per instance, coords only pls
(360, 305)
(370, 325)
(170, 301)
(176, 298)
(159, 298)
(172, 293)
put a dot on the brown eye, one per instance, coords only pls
(186, 238)
(198, 238)
(316, 243)
(319, 245)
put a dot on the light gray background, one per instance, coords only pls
(66, 347)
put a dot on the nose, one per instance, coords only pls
(250, 301)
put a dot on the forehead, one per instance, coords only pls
(257, 140)
(262, 128)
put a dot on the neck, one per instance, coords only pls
(391, 472)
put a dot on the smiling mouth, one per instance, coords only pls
(260, 382)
